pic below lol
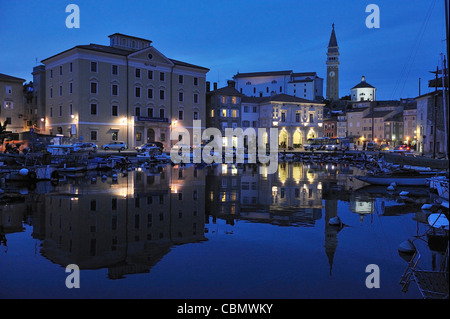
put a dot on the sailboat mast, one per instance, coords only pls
(446, 78)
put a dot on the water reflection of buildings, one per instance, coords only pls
(126, 225)
(292, 196)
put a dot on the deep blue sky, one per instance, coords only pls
(227, 36)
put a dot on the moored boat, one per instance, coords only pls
(414, 180)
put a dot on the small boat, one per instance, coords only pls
(438, 220)
(387, 180)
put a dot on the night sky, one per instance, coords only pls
(244, 36)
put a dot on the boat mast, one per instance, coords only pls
(446, 78)
(435, 113)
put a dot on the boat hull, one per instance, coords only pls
(399, 181)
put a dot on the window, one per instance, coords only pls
(115, 69)
(150, 93)
(283, 117)
(60, 90)
(93, 87)
(161, 76)
(195, 81)
(51, 112)
(311, 118)
(234, 100)
(180, 79)
(115, 90)
(195, 98)
(180, 115)
(255, 123)
(150, 112)
(137, 91)
(161, 94)
(245, 109)
(235, 113)
(212, 113)
(70, 88)
(70, 109)
(150, 74)
(281, 89)
(70, 67)
(60, 110)
(9, 105)
(93, 66)
(246, 123)
(93, 109)
(297, 117)
(93, 135)
(51, 92)
(115, 136)
(137, 111)
(60, 70)
(224, 99)
(161, 113)
(51, 74)
(254, 109)
(195, 115)
(114, 110)
(180, 96)
(138, 73)
(224, 113)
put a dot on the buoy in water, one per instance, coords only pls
(393, 184)
(404, 193)
(407, 247)
(427, 206)
(23, 172)
(335, 221)
(390, 188)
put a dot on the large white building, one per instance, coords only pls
(305, 85)
(127, 91)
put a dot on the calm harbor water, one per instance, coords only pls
(222, 232)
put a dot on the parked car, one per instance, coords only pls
(372, 146)
(115, 146)
(84, 147)
(144, 147)
(403, 147)
(384, 147)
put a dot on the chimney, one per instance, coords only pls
(363, 79)
(231, 83)
(208, 86)
(215, 86)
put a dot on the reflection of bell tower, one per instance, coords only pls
(331, 232)
(333, 68)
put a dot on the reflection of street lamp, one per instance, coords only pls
(393, 139)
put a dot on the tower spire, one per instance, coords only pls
(333, 67)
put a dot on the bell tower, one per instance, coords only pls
(333, 68)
